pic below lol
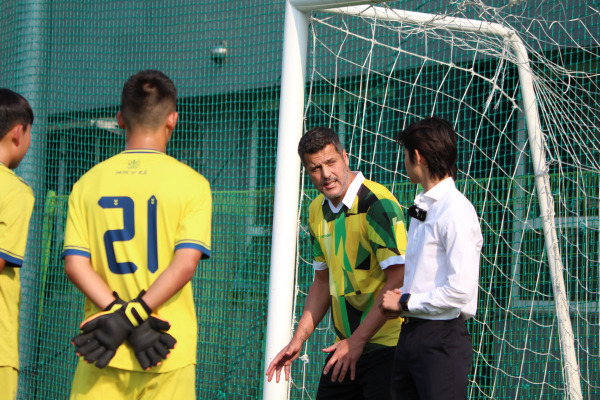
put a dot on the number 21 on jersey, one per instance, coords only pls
(128, 233)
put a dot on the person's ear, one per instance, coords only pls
(419, 159)
(172, 120)
(16, 134)
(120, 120)
(345, 157)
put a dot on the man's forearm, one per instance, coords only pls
(375, 319)
(317, 303)
(80, 272)
(173, 278)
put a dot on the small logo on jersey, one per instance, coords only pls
(133, 164)
(324, 236)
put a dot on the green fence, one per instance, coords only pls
(70, 59)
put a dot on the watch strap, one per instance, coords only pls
(404, 302)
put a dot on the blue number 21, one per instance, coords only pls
(128, 232)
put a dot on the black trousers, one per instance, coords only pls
(372, 381)
(432, 360)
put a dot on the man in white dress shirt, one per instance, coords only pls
(434, 353)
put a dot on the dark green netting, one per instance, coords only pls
(70, 60)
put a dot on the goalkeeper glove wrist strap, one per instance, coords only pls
(116, 304)
(137, 311)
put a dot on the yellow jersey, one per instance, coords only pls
(129, 214)
(16, 206)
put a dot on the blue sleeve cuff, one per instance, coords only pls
(75, 252)
(194, 245)
(11, 259)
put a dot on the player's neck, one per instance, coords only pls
(5, 155)
(146, 140)
(429, 182)
(3, 158)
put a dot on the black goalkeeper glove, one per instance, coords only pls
(104, 332)
(85, 343)
(151, 343)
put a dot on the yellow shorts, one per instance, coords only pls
(90, 383)
(9, 378)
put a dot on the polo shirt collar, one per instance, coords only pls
(351, 193)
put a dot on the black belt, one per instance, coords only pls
(415, 320)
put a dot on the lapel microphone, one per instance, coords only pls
(418, 213)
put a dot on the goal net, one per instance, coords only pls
(536, 333)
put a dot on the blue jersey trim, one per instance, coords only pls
(75, 252)
(196, 246)
(10, 259)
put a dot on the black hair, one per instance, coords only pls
(147, 98)
(14, 110)
(436, 140)
(317, 139)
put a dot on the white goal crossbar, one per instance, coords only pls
(287, 177)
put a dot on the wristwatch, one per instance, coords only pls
(404, 302)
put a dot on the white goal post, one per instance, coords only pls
(287, 179)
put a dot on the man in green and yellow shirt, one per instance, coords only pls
(359, 239)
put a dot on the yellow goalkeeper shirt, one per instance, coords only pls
(129, 214)
(16, 206)
(356, 242)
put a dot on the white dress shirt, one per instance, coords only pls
(442, 256)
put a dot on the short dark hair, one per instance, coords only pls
(14, 110)
(435, 138)
(147, 99)
(316, 139)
